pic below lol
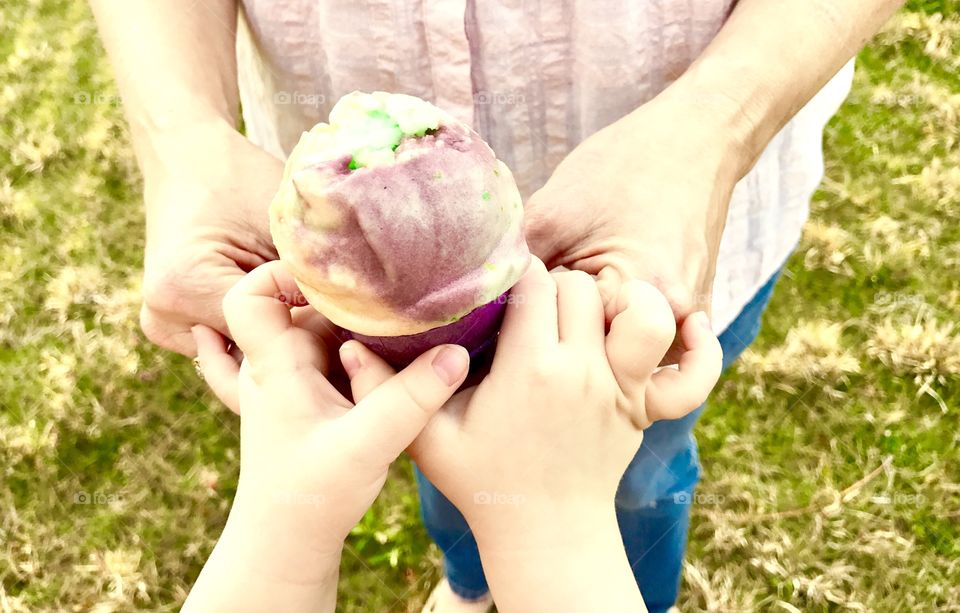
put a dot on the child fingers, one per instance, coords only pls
(531, 315)
(609, 281)
(217, 366)
(392, 414)
(365, 369)
(640, 333)
(674, 392)
(579, 310)
(257, 308)
(309, 318)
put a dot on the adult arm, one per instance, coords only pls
(647, 196)
(771, 58)
(206, 187)
(175, 64)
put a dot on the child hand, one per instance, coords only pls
(561, 413)
(311, 462)
(533, 455)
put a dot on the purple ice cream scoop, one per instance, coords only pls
(401, 226)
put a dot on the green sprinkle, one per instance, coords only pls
(380, 114)
(485, 195)
(353, 164)
(438, 175)
(490, 266)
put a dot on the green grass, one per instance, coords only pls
(830, 451)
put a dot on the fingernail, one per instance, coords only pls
(704, 320)
(350, 359)
(450, 364)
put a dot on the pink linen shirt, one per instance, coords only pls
(534, 79)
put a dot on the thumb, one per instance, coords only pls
(674, 392)
(544, 238)
(640, 333)
(390, 416)
(609, 281)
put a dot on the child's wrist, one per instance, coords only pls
(520, 531)
(282, 547)
(575, 561)
(250, 570)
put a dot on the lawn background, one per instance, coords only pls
(831, 479)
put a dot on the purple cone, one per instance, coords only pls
(476, 332)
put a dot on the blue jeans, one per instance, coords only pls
(653, 500)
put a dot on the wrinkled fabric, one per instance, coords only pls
(534, 79)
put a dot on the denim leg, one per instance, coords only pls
(653, 508)
(449, 530)
(657, 490)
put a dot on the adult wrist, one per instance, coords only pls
(187, 147)
(713, 117)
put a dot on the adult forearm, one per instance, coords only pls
(770, 59)
(175, 65)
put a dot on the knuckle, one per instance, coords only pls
(258, 372)
(415, 394)
(684, 400)
(658, 325)
(661, 333)
(576, 281)
(542, 372)
(658, 332)
(667, 288)
(163, 291)
(686, 404)
(153, 328)
(230, 305)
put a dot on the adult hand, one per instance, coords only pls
(645, 198)
(207, 225)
